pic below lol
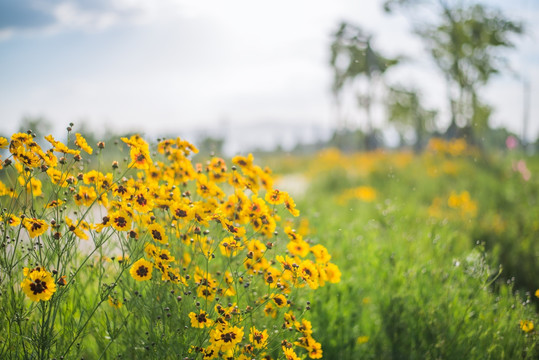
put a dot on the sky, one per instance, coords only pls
(253, 72)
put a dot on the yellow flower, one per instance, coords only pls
(11, 220)
(315, 350)
(60, 147)
(54, 203)
(243, 162)
(362, 340)
(206, 292)
(298, 248)
(308, 272)
(258, 338)
(289, 354)
(333, 273)
(526, 325)
(234, 230)
(157, 233)
(230, 246)
(114, 302)
(141, 270)
(279, 300)
(291, 206)
(57, 177)
(143, 203)
(537, 293)
(225, 339)
(38, 284)
(35, 227)
(85, 196)
(81, 142)
(270, 310)
(276, 197)
(33, 186)
(200, 320)
(120, 220)
(305, 327)
(320, 253)
(78, 228)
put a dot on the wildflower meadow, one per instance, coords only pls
(140, 249)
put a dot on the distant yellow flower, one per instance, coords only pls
(365, 193)
(141, 270)
(537, 293)
(81, 142)
(362, 340)
(526, 325)
(38, 284)
(114, 302)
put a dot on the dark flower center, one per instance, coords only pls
(228, 337)
(35, 226)
(181, 213)
(38, 286)
(141, 200)
(120, 221)
(142, 271)
(156, 235)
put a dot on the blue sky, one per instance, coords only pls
(173, 67)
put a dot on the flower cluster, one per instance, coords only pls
(364, 193)
(461, 202)
(455, 147)
(212, 229)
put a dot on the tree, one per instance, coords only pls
(466, 45)
(406, 112)
(352, 59)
